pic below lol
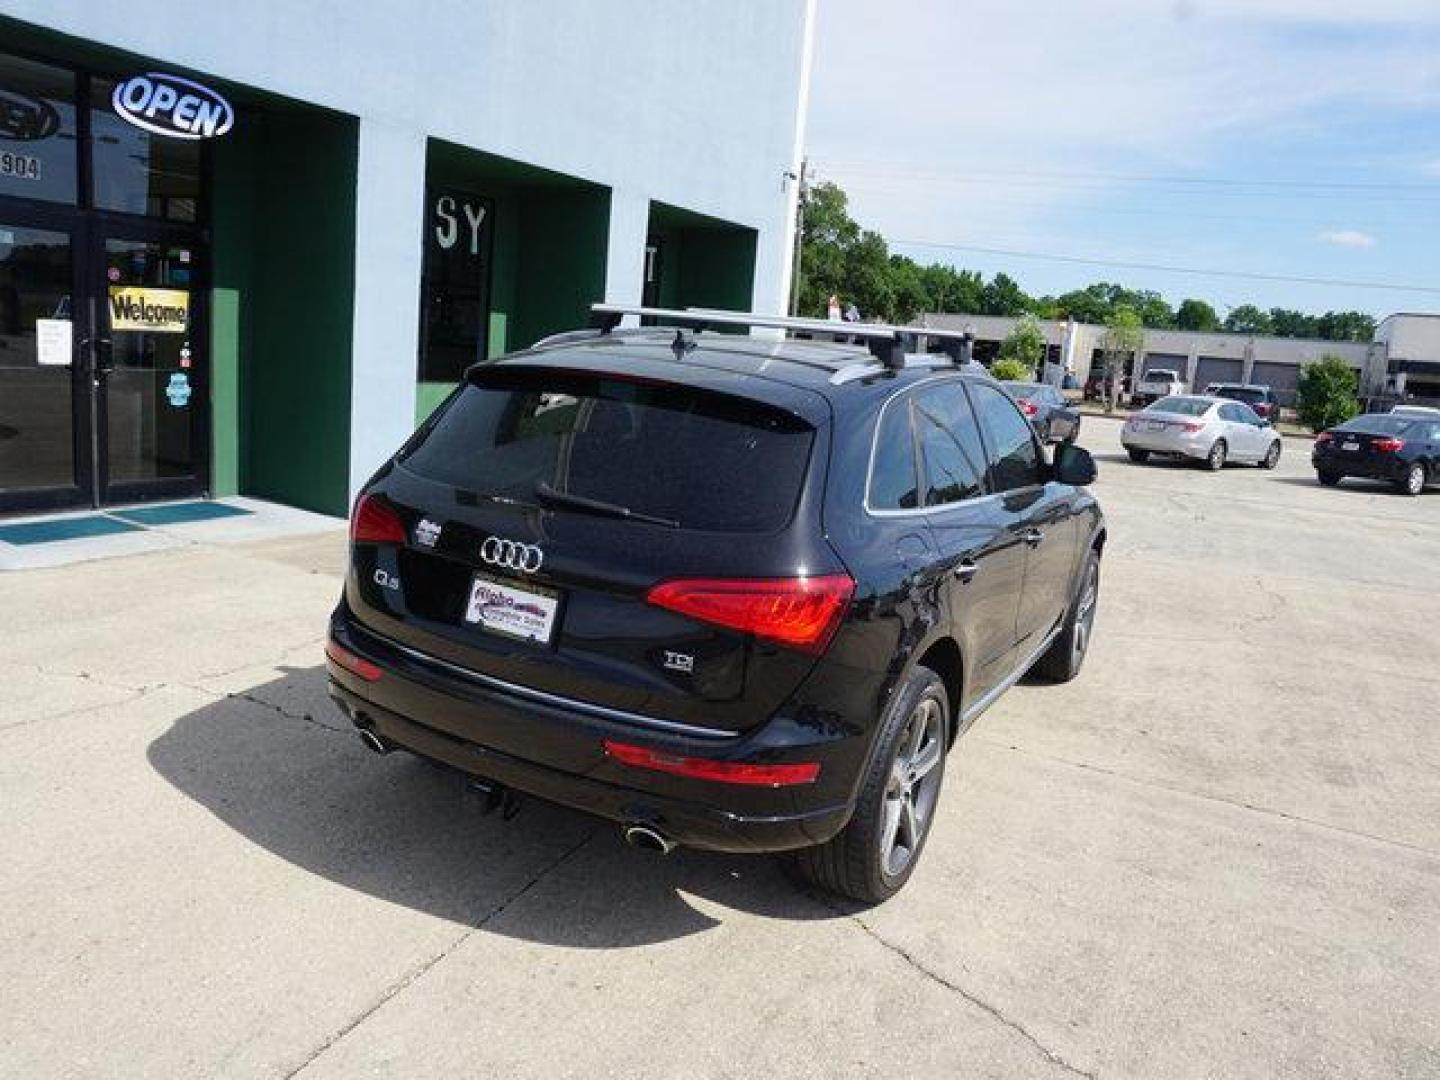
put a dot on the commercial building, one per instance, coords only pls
(1202, 358)
(1407, 349)
(245, 247)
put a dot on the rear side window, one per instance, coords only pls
(708, 461)
(1014, 458)
(893, 477)
(951, 453)
(1184, 406)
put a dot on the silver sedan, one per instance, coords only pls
(1208, 429)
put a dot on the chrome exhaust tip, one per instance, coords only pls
(642, 836)
(374, 742)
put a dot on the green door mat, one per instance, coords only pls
(179, 513)
(81, 528)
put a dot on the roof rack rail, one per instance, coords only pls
(889, 344)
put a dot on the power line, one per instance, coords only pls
(1240, 274)
(860, 165)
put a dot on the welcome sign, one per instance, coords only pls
(156, 311)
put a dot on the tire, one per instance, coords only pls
(1413, 482)
(1328, 479)
(1140, 457)
(1062, 661)
(1215, 459)
(866, 861)
(1272, 456)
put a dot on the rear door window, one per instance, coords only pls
(894, 480)
(1014, 455)
(707, 461)
(952, 456)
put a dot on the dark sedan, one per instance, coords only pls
(1051, 415)
(1401, 450)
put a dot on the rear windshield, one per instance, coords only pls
(1240, 393)
(1185, 406)
(708, 461)
(1378, 424)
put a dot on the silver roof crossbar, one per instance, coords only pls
(889, 343)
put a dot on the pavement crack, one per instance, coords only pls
(418, 972)
(1237, 804)
(993, 1011)
(279, 710)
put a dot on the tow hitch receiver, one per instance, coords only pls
(495, 797)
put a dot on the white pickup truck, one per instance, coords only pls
(1157, 383)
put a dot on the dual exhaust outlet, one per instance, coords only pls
(638, 836)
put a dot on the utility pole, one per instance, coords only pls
(799, 237)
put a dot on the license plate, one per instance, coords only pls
(525, 614)
(1156, 425)
(1350, 445)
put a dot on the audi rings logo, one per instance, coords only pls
(512, 555)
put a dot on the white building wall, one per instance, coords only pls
(697, 104)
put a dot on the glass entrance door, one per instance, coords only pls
(103, 374)
(150, 366)
(44, 420)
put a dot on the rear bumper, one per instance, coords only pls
(1183, 444)
(1372, 466)
(557, 754)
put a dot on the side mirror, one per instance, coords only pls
(1074, 465)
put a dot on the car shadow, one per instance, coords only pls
(1350, 485)
(282, 767)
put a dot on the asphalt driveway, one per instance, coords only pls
(1215, 854)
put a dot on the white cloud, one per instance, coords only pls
(1351, 238)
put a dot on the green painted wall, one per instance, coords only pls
(284, 272)
(704, 262)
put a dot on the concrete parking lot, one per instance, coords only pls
(1215, 854)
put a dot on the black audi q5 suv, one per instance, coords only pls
(730, 593)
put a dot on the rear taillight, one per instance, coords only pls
(1193, 427)
(800, 612)
(1323, 438)
(1391, 445)
(1029, 408)
(352, 663)
(376, 522)
(726, 772)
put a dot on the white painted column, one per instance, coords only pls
(389, 211)
(625, 256)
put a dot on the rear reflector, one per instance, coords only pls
(724, 772)
(1388, 446)
(799, 612)
(1029, 408)
(352, 663)
(376, 522)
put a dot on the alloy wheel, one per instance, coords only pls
(1415, 479)
(914, 783)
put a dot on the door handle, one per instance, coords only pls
(1032, 536)
(967, 569)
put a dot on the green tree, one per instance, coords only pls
(825, 242)
(1196, 315)
(1346, 326)
(1124, 338)
(1247, 319)
(1003, 296)
(1286, 322)
(1326, 393)
(1023, 350)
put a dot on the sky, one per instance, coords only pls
(1276, 138)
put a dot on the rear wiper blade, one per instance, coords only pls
(548, 494)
